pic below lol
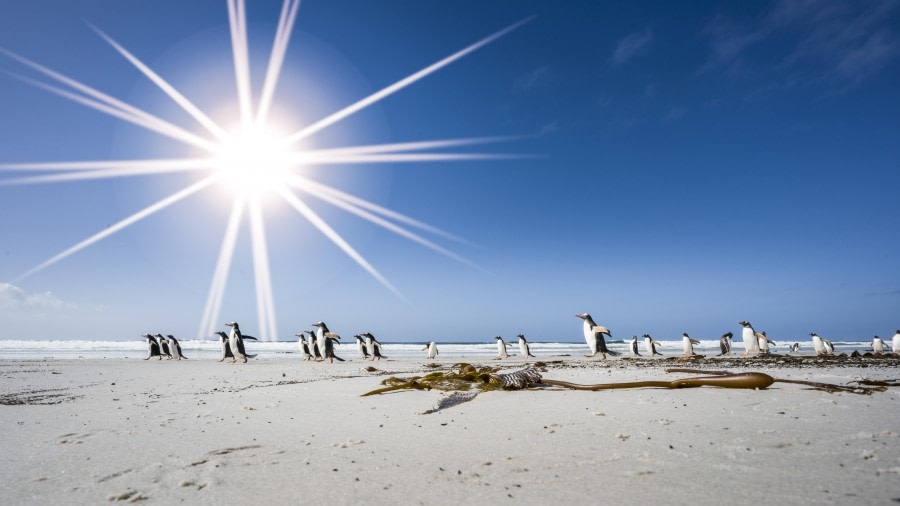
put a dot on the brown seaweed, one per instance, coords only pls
(814, 385)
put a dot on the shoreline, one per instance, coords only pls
(93, 430)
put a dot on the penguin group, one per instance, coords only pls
(320, 345)
(524, 348)
(159, 346)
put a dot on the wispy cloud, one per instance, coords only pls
(13, 298)
(632, 45)
(841, 43)
(531, 80)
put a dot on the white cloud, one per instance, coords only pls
(531, 80)
(13, 298)
(631, 45)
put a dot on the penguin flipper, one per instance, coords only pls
(249, 337)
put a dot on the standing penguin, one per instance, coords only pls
(764, 342)
(432, 349)
(820, 346)
(895, 343)
(634, 347)
(152, 347)
(501, 348)
(304, 347)
(164, 346)
(688, 344)
(226, 346)
(593, 336)
(321, 330)
(725, 344)
(330, 339)
(311, 342)
(751, 342)
(877, 345)
(650, 345)
(361, 347)
(373, 346)
(235, 341)
(175, 348)
(524, 348)
(795, 348)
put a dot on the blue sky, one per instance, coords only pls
(698, 164)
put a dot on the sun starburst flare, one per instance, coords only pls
(253, 161)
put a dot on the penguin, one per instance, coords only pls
(688, 344)
(431, 347)
(634, 347)
(175, 348)
(330, 339)
(795, 348)
(751, 342)
(764, 342)
(361, 347)
(524, 348)
(373, 346)
(895, 343)
(152, 347)
(593, 336)
(501, 348)
(311, 342)
(819, 345)
(235, 341)
(226, 346)
(304, 347)
(725, 344)
(650, 345)
(321, 330)
(164, 346)
(877, 345)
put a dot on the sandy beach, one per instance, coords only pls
(89, 431)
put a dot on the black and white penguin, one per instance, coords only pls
(373, 346)
(820, 345)
(634, 347)
(330, 339)
(593, 336)
(164, 346)
(795, 348)
(725, 344)
(524, 348)
(751, 342)
(764, 342)
(236, 342)
(152, 347)
(895, 343)
(311, 342)
(304, 346)
(175, 348)
(431, 347)
(877, 345)
(361, 347)
(688, 344)
(226, 346)
(650, 345)
(501, 348)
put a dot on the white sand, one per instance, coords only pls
(282, 431)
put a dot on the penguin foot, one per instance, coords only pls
(591, 355)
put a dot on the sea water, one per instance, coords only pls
(11, 349)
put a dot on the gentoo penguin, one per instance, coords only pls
(432, 349)
(764, 342)
(361, 347)
(152, 347)
(877, 345)
(311, 342)
(373, 346)
(321, 330)
(164, 346)
(895, 343)
(524, 348)
(175, 348)
(725, 344)
(751, 342)
(226, 346)
(501, 348)
(235, 341)
(304, 347)
(330, 339)
(650, 345)
(819, 345)
(688, 344)
(593, 336)
(634, 347)
(795, 348)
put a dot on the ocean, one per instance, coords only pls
(11, 349)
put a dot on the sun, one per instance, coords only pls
(254, 159)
